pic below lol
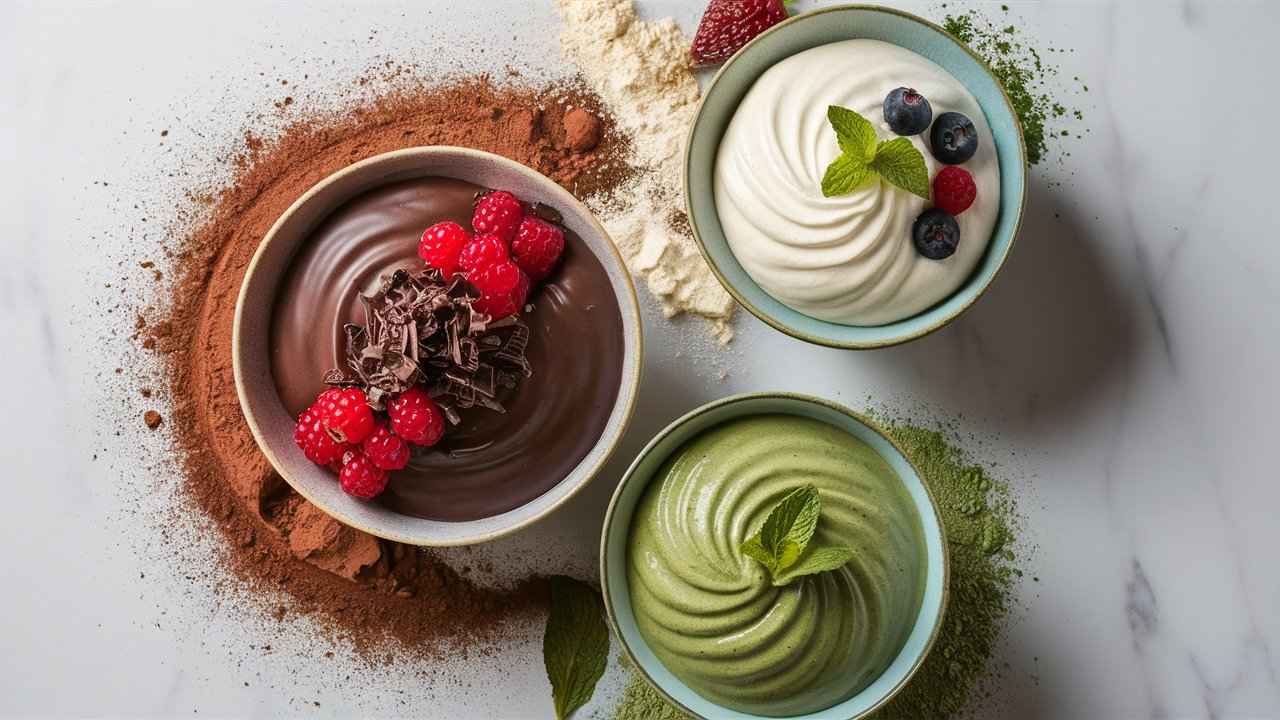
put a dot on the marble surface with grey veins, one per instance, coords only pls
(1123, 367)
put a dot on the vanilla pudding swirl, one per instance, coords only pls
(713, 616)
(847, 259)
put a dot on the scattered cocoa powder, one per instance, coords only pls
(152, 419)
(369, 589)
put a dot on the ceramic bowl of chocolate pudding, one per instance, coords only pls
(503, 462)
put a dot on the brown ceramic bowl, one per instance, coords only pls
(272, 425)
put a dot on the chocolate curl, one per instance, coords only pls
(421, 329)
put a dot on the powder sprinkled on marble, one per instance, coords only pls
(641, 702)
(1025, 74)
(641, 72)
(980, 518)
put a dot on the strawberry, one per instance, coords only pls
(727, 25)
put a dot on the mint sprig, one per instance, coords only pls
(782, 544)
(862, 158)
(575, 646)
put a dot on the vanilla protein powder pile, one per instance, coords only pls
(641, 71)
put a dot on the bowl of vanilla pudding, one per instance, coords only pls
(855, 177)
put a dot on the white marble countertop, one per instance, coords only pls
(1123, 365)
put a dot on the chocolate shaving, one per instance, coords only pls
(422, 329)
(546, 212)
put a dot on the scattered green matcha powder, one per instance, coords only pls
(641, 702)
(1025, 75)
(980, 519)
(981, 523)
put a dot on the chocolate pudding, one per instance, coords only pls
(492, 462)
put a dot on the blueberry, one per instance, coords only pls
(907, 111)
(953, 138)
(936, 234)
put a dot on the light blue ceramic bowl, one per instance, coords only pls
(617, 524)
(820, 27)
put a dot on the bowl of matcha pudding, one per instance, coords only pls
(774, 555)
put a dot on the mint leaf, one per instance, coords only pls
(806, 519)
(754, 550)
(899, 162)
(844, 176)
(855, 134)
(790, 525)
(786, 531)
(575, 645)
(815, 561)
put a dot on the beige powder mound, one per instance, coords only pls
(641, 71)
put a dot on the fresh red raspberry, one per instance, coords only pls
(537, 247)
(441, 244)
(346, 415)
(385, 449)
(360, 478)
(482, 252)
(319, 447)
(499, 213)
(504, 288)
(416, 417)
(326, 397)
(954, 190)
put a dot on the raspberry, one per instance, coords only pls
(346, 415)
(504, 288)
(360, 478)
(319, 447)
(954, 190)
(385, 449)
(441, 244)
(482, 252)
(498, 212)
(416, 417)
(327, 396)
(537, 247)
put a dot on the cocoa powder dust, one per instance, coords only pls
(368, 590)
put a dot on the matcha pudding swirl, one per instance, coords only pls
(715, 617)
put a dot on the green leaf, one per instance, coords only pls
(815, 561)
(899, 162)
(786, 531)
(575, 646)
(806, 521)
(844, 176)
(855, 134)
(754, 550)
(790, 525)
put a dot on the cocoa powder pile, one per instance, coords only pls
(370, 590)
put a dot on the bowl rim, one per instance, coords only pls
(628, 305)
(673, 426)
(784, 327)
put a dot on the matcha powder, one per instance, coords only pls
(641, 702)
(980, 521)
(1025, 74)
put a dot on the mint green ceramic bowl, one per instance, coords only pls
(617, 524)
(821, 27)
